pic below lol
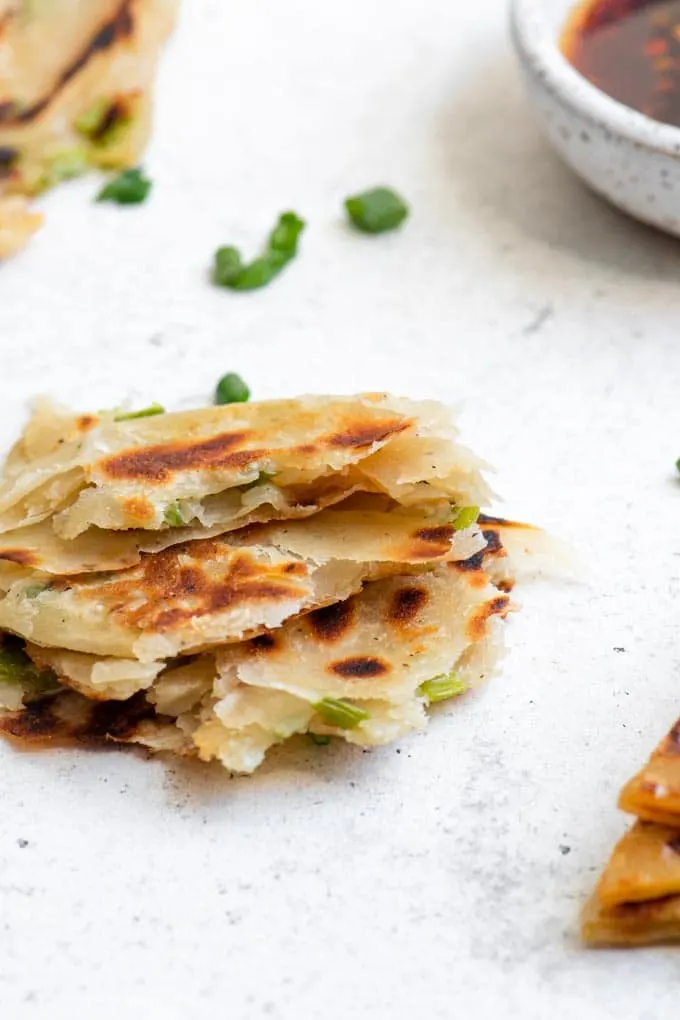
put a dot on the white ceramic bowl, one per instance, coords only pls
(629, 158)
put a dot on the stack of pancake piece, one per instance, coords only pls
(76, 90)
(637, 900)
(212, 582)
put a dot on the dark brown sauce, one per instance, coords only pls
(630, 49)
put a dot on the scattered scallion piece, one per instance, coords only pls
(34, 590)
(144, 412)
(376, 211)
(441, 688)
(464, 517)
(677, 465)
(231, 389)
(231, 272)
(129, 188)
(228, 265)
(341, 713)
(173, 516)
(322, 739)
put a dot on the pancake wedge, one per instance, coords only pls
(637, 900)
(220, 466)
(76, 83)
(212, 591)
(214, 582)
(654, 793)
(358, 670)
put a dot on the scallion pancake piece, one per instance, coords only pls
(76, 86)
(654, 793)
(637, 900)
(211, 591)
(372, 653)
(217, 466)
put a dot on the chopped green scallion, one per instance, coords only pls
(129, 188)
(16, 667)
(145, 412)
(228, 265)
(376, 211)
(173, 516)
(230, 271)
(341, 713)
(231, 389)
(262, 479)
(464, 517)
(441, 688)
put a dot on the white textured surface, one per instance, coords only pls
(425, 880)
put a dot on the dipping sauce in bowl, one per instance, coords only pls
(629, 49)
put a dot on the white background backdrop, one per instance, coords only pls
(426, 879)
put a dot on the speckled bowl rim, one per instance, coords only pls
(539, 48)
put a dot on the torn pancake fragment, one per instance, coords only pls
(637, 900)
(654, 793)
(76, 84)
(211, 591)
(221, 466)
(358, 669)
(383, 530)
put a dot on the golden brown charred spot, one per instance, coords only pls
(118, 27)
(117, 113)
(440, 535)
(361, 435)
(22, 557)
(85, 422)
(72, 717)
(503, 523)
(493, 542)
(471, 565)
(360, 668)
(674, 845)
(263, 643)
(35, 722)
(172, 587)
(136, 508)
(298, 569)
(430, 543)
(159, 463)
(407, 603)
(116, 719)
(307, 449)
(8, 160)
(476, 626)
(475, 564)
(332, 622)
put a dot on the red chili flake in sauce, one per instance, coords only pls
(631, 50)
